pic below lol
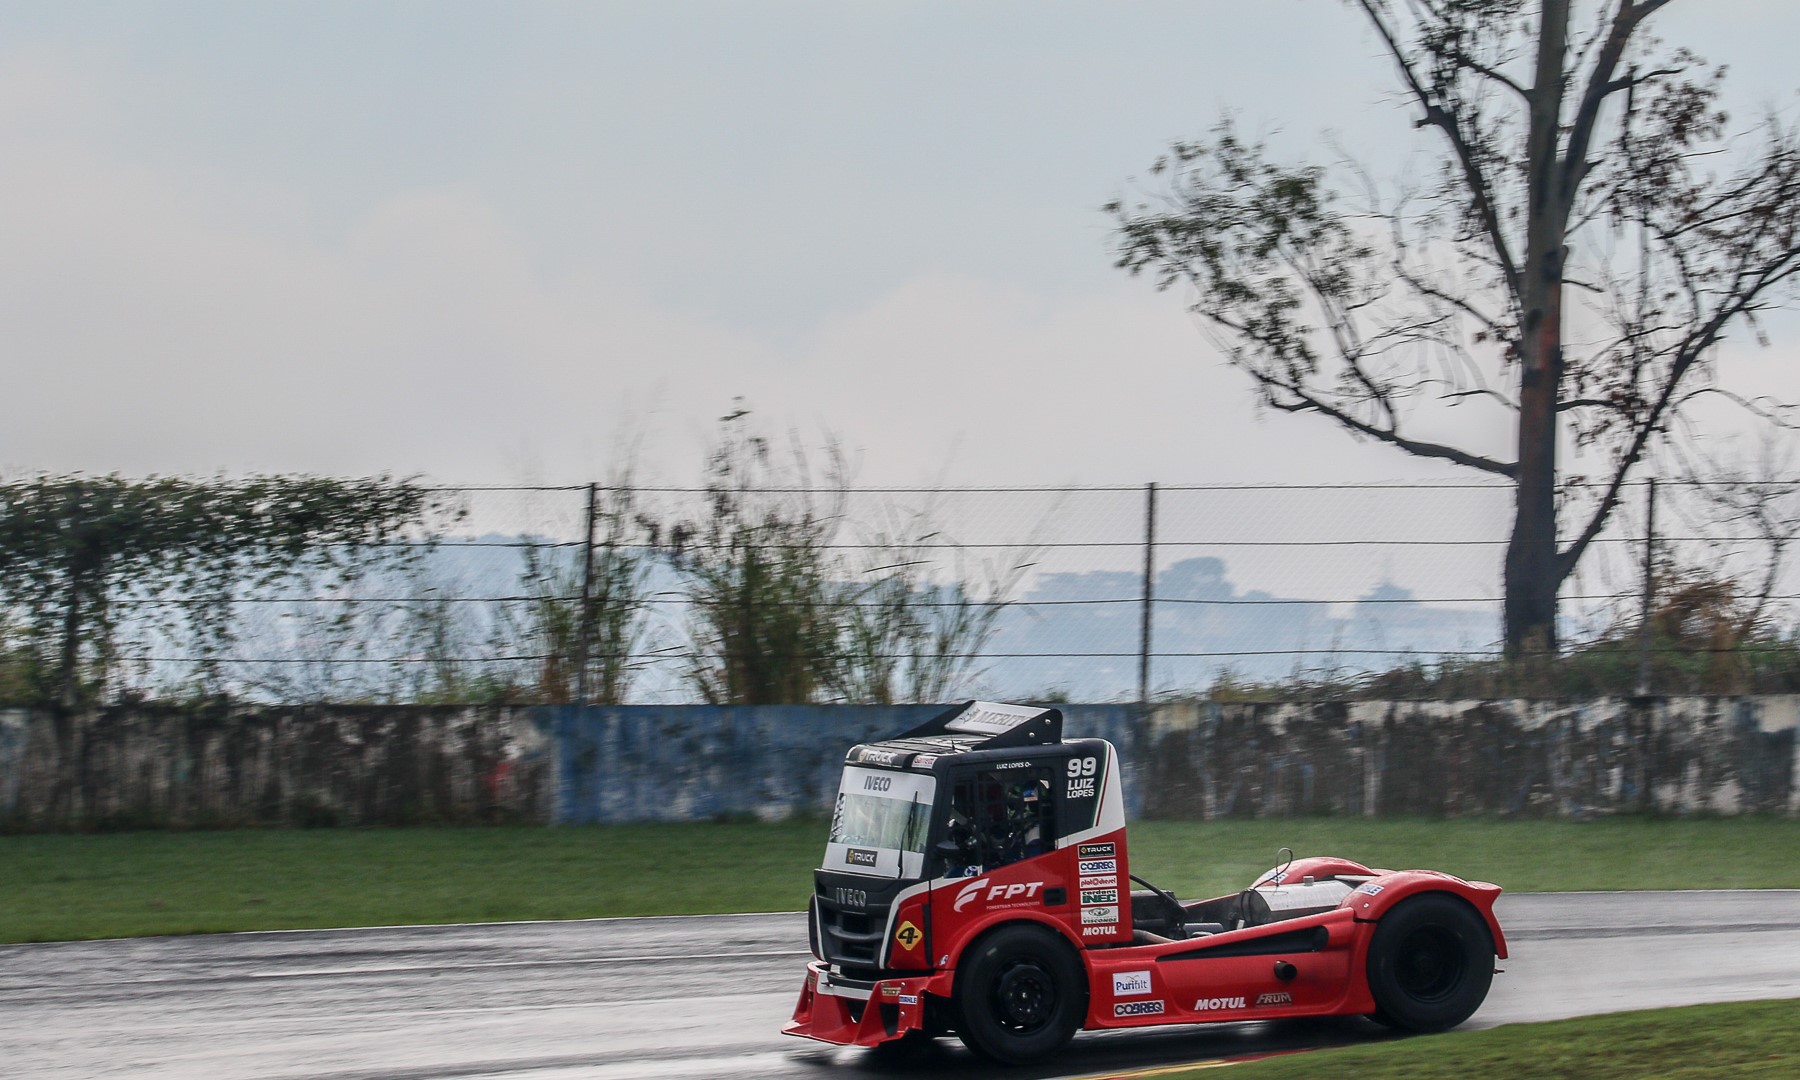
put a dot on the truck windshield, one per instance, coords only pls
(879, 823)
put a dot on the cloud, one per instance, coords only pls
(173, 319)
(157, 323)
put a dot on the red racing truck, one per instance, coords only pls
(976, 881)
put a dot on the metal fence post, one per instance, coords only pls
(1149, 593)
(1643, 681)
(584, 617)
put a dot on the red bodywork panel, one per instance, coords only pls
(1080, 889)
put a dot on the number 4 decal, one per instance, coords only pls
(908, 936)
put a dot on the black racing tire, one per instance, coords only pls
(1021, 995)
(1430, 964)
(1384, 1020)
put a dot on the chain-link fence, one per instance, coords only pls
(1085, 594)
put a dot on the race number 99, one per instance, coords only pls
(1083, 766)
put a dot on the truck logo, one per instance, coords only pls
(1099, 896)
(1130, 983)
(1099, 915)
(877, 783)
(1096, 851)
(860, 857)
(977, 889)
(1137, 1008)
(1097, 866)
(850, 897)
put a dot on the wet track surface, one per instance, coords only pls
(703, 997)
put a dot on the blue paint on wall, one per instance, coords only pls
(697, 762)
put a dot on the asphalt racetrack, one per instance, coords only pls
(704, 997)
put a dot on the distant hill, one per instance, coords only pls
(1254, 634)
(1088, 621)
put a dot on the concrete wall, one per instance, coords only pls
(694, 762)
(396, 765)
(157, 767)
(1509, 758)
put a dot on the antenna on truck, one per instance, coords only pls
(912, 814)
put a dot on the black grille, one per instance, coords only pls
(850, 932)
(852, 938)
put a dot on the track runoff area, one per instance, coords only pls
(697, 997)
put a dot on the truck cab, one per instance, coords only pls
(982, 815)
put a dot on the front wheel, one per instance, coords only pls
(1430, 964)
(1021, 996)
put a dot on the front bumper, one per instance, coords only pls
(852, 1012)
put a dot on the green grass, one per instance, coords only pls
(1754, 1039)
(129, 884)
(1522, 856)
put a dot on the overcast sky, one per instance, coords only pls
(494, 242)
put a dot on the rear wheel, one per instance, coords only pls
(1430, 964)
(1021, 995)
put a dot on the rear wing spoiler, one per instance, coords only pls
(1002, 725)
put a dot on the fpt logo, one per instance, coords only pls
(981, 889)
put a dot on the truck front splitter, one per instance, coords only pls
(853, 1012)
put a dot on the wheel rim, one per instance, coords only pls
(1430, 964)
(1024, 997)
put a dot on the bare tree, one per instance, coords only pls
(906, 633)
(1592, 166)
(1747, 507)
(761, 574)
